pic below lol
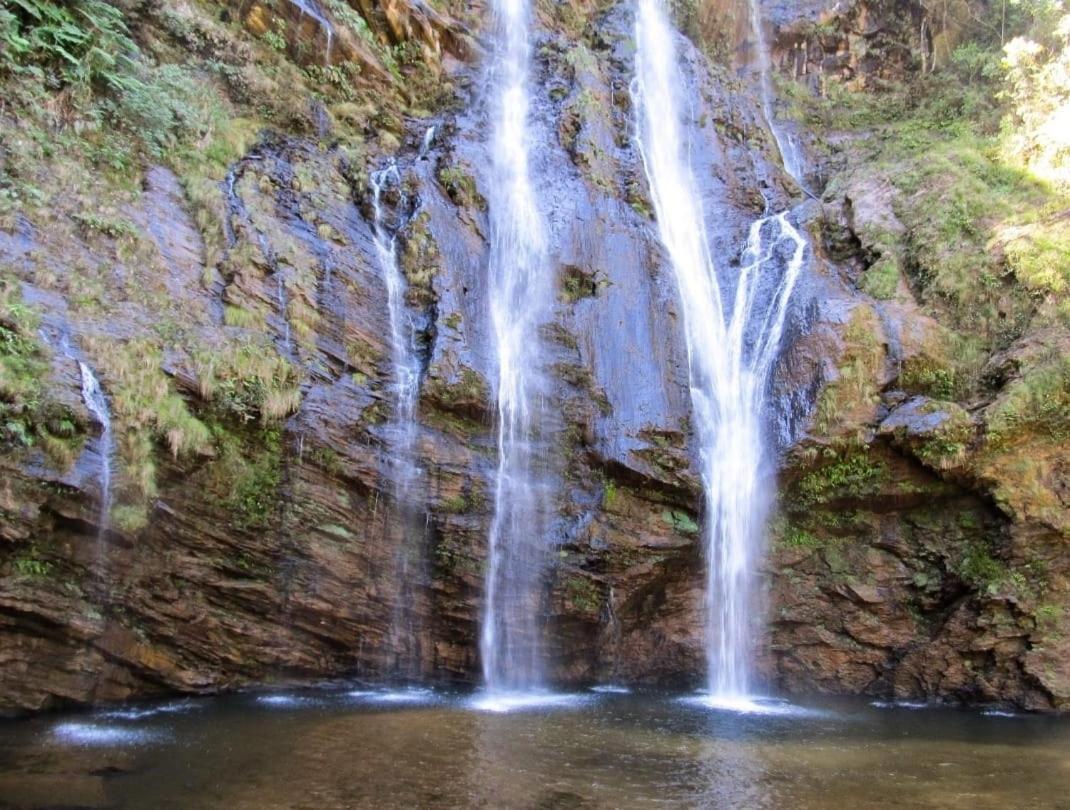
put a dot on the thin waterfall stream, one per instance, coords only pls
(732, 330)
(97, 404)
(312, 9)
(402, 329)
(402, 428)
(790, 155)
(509, 641)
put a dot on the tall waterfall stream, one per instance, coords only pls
(733, 328)
(518, 288)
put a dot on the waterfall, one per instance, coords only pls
(426, 142)
(97, 403)
(402, 429)
(733, 327)
(509, 643)
(280, 293)
(312, 9)
(402, 330)
(786, 144)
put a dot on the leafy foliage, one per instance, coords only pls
(83, 43)
(28, 417)
(852, 475)
(247, 381)
(1037, 89)
(1039, 403)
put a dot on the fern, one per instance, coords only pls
(84, 43)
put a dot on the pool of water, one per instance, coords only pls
(605, 748)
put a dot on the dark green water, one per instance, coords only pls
(335, 749)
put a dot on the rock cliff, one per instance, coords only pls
(199, 231)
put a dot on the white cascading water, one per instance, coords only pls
(313, 10)
(402, 429)
(733, 328)
(402, 330)
(509, 643)
(97, 404)
(426, 142)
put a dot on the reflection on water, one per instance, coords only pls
(418, 748)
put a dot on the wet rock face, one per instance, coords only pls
(885, 581)
(268, 549)
(856, 42)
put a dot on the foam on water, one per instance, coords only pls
(87, 734)
(750, 704)
(1000, 713)
(282, 701)
(149, 711)
(501, 702)
(611, 689)
(901, 704)
(413, 695)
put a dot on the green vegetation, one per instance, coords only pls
(680, 521)
(978, 567)
(1038, 404)
(922, 374)
(468, 394)
(880, 280)
(860, 363)
(114, 227)
(246, 475)
(242, 318)
(85, 49)
(609, 493)
(460, 185)
(248, 380)
(28, 417)
(796, 537)
(146, 409)
(636, 197)
(470, 500)
(83, 44)
(981, 172)
(22, 367)
(452, 555)
(419, 259)
(30, 566)
(130, 517)
(584, 595)
(1049, 616)
(577, 284)
(847, 473)
(711, 26)
(328, 459)
(945, 445)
